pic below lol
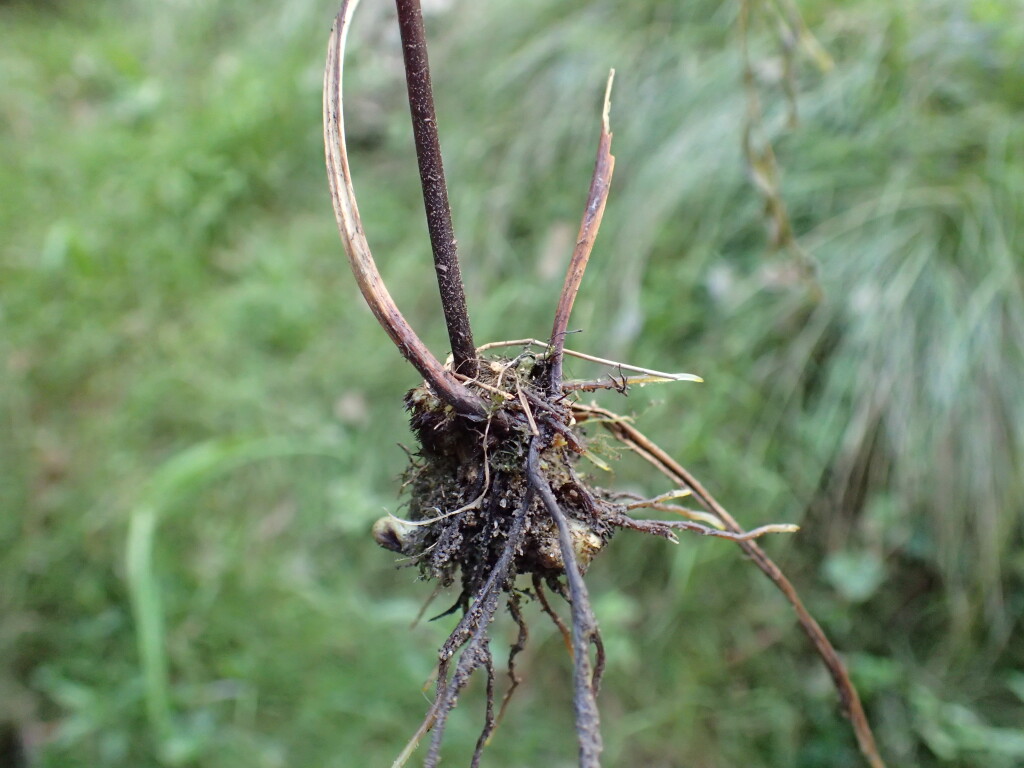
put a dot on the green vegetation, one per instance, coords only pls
(198, 417)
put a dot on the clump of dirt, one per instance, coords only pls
(469, 481)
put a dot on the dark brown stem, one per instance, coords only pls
(435, 192)
(600, 182)
(584, 625)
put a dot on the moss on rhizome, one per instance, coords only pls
(469, 479)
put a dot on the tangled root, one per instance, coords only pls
(468, 480)
(490, 500)
(494, 498)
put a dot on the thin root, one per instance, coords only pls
(661, 375)
(538, 588)
(515, 650)
(584, 625)
(630, 436)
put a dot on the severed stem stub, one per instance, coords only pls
(494, 492)
(597, 198)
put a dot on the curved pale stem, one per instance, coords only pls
(350, 228)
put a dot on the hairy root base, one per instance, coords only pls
(469, 478)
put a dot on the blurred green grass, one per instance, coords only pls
(175, 302)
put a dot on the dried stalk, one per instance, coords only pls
(619, 366)
(435, 191)
(356, 247)
(600, 183)
(848, 697)
(762, 167)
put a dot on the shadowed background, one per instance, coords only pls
(199, 419)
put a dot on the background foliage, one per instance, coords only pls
(199, 418)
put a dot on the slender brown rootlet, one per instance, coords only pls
(435, 191)
(630, 436)
(494, 490)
